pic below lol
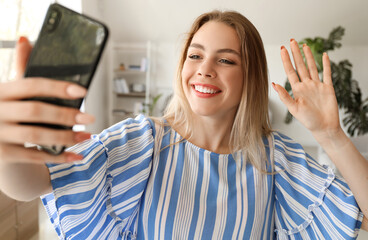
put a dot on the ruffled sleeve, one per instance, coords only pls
(98, 197)
(311, 201)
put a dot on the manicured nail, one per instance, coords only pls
(292, 39)
(84, 118)
(282, 47)
(274, 86)
(76, 91)
(22, 39)
(82, 136)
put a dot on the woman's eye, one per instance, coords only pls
(194, 56)
(226, 61)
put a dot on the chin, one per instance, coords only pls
(201, 112)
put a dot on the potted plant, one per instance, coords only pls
(348, 93)
(150, 107)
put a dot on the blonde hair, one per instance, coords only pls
(251, 122)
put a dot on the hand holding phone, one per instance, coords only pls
(14, 110)
(68, 48)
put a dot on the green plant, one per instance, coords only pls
(348, 93)
(151, 106)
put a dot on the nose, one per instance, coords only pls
(206, 70)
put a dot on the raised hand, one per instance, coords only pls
(314, 103)
(13, 111)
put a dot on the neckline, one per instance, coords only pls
(166, 123)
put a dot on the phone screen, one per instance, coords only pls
(68, 48)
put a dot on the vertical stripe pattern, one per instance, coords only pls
(141, 180)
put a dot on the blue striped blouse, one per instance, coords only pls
(135, 183)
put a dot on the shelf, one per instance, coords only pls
(129, 67)
(121, 112)
(133, 94)
(129, 72)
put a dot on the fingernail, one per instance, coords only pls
(76, 91)
(282, 47)
(274, 86)
(324, 54)
(84, 118)
(73, 157)
(292, 39)
(305, 45)
(82, 136)
(22, 39)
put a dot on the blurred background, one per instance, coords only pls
(138, 67)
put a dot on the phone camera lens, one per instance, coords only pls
(52, 21)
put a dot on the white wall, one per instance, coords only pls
(165, 23)
(96, 100)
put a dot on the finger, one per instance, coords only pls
(19, 134)
(22, 53)
(40, 87)
(285, 97)
(326, 69)
(39, 112)
(288, 67)
(298, 59)
(313, 71)
(18, 154)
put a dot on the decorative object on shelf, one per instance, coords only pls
(138, 87)
(348, 93)
(135, 67)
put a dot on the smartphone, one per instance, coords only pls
(68, 48)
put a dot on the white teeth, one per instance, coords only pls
(203, 89)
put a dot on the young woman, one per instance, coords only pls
(211, 168)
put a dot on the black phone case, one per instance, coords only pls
(68, 48)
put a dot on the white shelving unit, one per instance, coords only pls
(131, 63)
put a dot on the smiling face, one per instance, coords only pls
(212, 76)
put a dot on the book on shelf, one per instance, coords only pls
(121, 86)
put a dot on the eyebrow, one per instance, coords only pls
(222, 50)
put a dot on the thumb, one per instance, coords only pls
(22, 53)
(284, 96)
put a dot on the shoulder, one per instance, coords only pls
(287, 147)
(284, 143)
(131, 130)
(128, 128)
(288, 152)
(139, 123)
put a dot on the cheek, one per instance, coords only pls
(237, 81)
(238, 86)
(184, 79)
(185, 72)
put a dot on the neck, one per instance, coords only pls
(209, 133)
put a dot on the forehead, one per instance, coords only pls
(217, 35)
